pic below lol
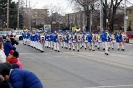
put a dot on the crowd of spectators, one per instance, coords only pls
(12, 73)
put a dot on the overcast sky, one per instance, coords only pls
(42, 3)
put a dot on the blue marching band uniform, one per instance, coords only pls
(74, 40)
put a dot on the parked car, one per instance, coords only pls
(129, 34)
(18, 35)
(3, 33)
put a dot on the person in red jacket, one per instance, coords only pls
(16, 60)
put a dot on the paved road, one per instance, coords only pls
(84, 69)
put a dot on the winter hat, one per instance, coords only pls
(11, 35)
(16, 54)
(4, 84)
(11, 52)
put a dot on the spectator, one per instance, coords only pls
(2, 54)
(1, 78)
(10, 56)
(8, 47)
(22, 78)
(16, 60)
(4, 84)
(7, 66)
(13, 41)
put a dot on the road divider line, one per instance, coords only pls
(117, 86)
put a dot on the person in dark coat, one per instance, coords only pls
(22, 78)
(13, 41)
(4, 84)
(8, 47)
(6, 66)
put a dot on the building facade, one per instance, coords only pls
(34, 17)
(130, 17)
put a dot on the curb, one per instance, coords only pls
(130, 43)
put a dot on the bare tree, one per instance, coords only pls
(109, 9)
(55, 13)
(87, 6)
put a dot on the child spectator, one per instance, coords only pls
(2, 54)
(16, 60)
(10, 56)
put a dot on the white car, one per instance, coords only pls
(18, 35)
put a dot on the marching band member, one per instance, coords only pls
(98, 41)
(70, 41)
(94, 39)
(37, 43)
(64, 40)
(55, 41)
(103, 40)
(107, 41)
(42, 38)
(124, 37)
(93, 43)
(28, 38)
(119, 40)
(113, 40)
(31, 40)
(34, 40)
(58, 42)
(51, 41)
(79, 39)
(61, 39)
(89, 37)
(46, 39)
(74, 38)
(85, 40)
(24, 37)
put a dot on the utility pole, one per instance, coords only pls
(90, 18)
(18, 16)
(101, 15)
(83, 21)
(125, 17)
(7, 14)
(68, 22)
(29, 16)
(26, 16)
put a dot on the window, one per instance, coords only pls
(130, 11)
(130, 22)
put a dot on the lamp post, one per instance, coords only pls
(18, 16)
(125, 17)
(101, 15)
(7, 14)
